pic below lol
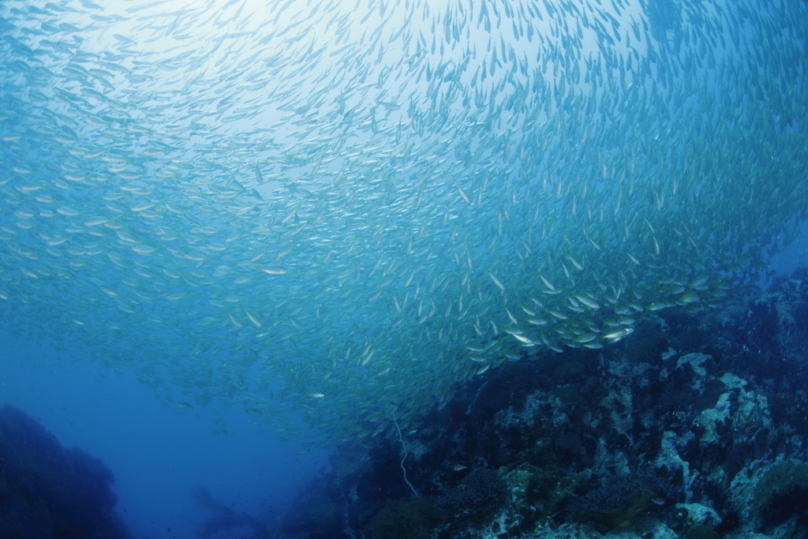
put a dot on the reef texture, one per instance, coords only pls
(693, 427)
(48, 492)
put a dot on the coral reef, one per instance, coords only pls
(411, 519)
(47, 491)
(618, 503)
(481, 491)
(701, 531)
(694, 426)
(769, 493)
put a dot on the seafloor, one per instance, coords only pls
(694, 426)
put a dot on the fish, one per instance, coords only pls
(352, 202)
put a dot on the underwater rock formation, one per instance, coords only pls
(49, 492)
(481, 491)
(224, 518)
(621, 500)
(410, 519)
(687, 428)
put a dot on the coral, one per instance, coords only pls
(621, 500)
(755, 487)
(771, 494)
(700, 531)
(403, 458)
(413, 519)
(482, 491)
(692, 399)
(696, 513)
(695, 361)
(537, 494)
(789, 503)
(777, 478)
(543, 489)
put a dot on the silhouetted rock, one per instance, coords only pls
(47, 491)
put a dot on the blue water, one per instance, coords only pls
(235, 236)
(157, 455)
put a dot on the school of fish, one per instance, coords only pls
(334, 211)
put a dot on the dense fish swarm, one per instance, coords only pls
(343, 208)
